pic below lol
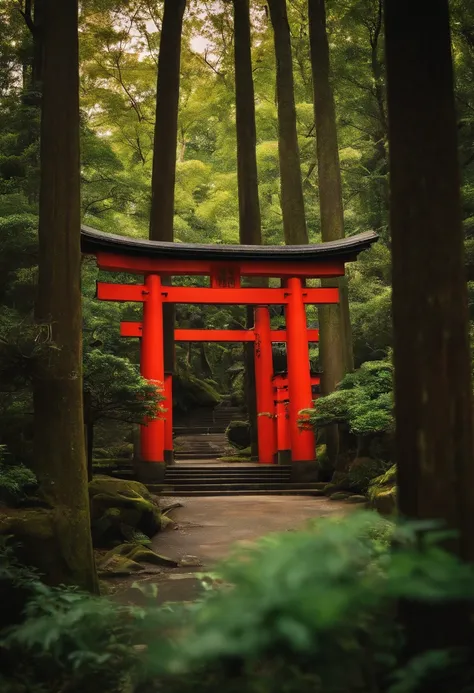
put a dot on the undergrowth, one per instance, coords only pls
(16, 480)
(312, 610)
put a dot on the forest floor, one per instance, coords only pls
(206, 529)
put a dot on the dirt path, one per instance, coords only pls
(206, 529)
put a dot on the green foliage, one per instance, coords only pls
(363, 400)
(16, 480)
(301, 603)
(114, 389)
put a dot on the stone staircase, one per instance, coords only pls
(233, 480)
(207, 420)
(201, 446)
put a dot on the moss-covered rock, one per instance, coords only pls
(119, 508)
(129, 558)
(356, 498)
(190, 392)
(329, 489)
(238, 434)
(362, 471)
(119, 566)
(358, 474)
(382, 492)
(339, 495)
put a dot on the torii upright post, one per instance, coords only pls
(299, 380)
(168, 405)
(152, 368)
(264, 386)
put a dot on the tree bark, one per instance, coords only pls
(89, 448)
(164, 148)
(38, 47)
(292, 201)
(335, 344)
(60, 457)
(336, 337)
(250, 230)
(434, 448)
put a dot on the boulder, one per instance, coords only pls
(362, 471)
(339, 495)
(119, 508)
(355, 498)
(382, 492)
(238, 434)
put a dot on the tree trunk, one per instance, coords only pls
(250, 231)
(292, 201)
(60, 457)
(90, 448)
(38, 47)
(335, 345)
(164, 148)
(431, 347)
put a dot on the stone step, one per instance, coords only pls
(308, 491)
(237, 486)
(209, 471)
(202, 429)
(202, 436)
(200, 455)
(227, 480)
(239, 468)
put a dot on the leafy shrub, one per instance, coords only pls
(363, 401)
(16, 480)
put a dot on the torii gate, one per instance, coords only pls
(226, 265)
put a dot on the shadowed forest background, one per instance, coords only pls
(284, 114)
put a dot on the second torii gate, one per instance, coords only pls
(226, 265)
(262, 337)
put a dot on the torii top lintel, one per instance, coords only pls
(140, 256)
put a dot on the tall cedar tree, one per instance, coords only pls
(434, 445)
(164, 148)
(250, 231)
(292, 201)
(335, 346)
(33, 14)
(59, 449)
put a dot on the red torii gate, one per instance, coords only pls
(226, 265)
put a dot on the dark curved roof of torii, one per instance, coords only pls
(346, 249)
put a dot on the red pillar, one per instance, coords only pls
(168, 405)
(152, 366)
(299, 378)
(264, 386)
(280, 384)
